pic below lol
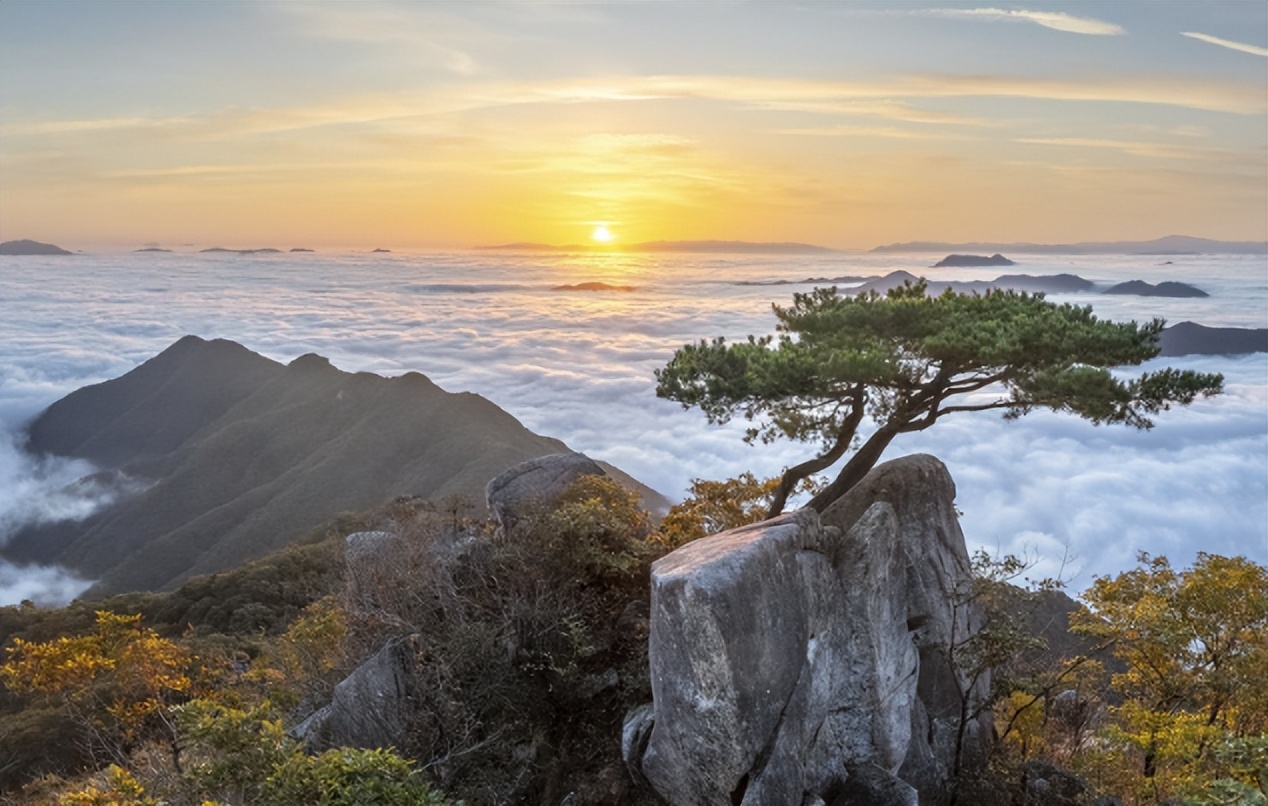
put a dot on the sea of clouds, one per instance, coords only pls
(1080, 500)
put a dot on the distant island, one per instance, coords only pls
(300, 249)
(152, 249)
(264, 251)
(957, 261)
(1167, 289)
(1169, 245)
(381, 250)
(1189, 338)
(1031, 284)
(25, 247)
(845, 279)
(707, 247)
(1048, 284)
(593, 286)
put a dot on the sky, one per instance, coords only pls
(440, 125)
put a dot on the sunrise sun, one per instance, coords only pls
(602, 234)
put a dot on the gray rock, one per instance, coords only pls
(636, 729)
(368, 557)
(869, 785)
(784, 652)
(371, 707)
(531, 484)
(1045, 784)
(938, 576)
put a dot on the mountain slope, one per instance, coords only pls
(245, 454)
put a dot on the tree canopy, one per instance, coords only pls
(905, 360)
(1191, 711)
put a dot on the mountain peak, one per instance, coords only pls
(241, 455)
(311, 362)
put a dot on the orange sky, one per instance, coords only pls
(452, 125)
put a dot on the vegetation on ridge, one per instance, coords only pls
(528, 652)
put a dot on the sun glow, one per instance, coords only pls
(602, 234)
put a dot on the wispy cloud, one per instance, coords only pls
(1169, 90)
(1056, 20)
(1142, 148)
(885, 109)
(433, 36)
(77, 126)
(431, 114)
(885, 132)
(1227, 43)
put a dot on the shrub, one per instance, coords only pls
(348, 777)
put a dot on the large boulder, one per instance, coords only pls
(368, 559)
(529, 485)
(372, 706)
(787, 653)
(941, 615)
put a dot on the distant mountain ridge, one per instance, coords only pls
(29, 247)
(707, 247)
(1168, 245)
(244, 454)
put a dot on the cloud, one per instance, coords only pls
(435, 116)
(1227, 43)
(75, 126)
(883, 132)
(35, 490)
(1172, 90)
(1056, 20)
(436, 37)
(47, 489)
(884, 109)
(580, 367)
(40, 584)
(1141, 148)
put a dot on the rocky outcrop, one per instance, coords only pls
(367, 559)
(787, 653)
(372, 706)
(532, 484)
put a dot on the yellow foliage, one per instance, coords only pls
(1025, 713)
(121, 790)
(716, 506)
(114, 678)
(298, 662)
(1195, 648)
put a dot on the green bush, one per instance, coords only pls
(348, 777)
(229, 752)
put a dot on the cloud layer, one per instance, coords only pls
(579, 366)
